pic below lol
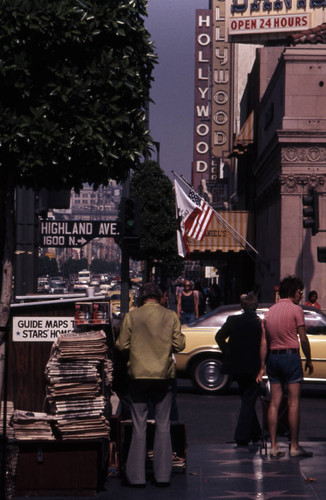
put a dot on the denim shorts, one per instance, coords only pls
(284, 368)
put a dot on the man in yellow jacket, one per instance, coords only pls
(151, 333)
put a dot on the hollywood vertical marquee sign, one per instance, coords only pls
(213, 98)
(222, 109)
(202, 120)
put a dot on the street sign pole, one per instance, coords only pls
(124, 304)
(26, 242)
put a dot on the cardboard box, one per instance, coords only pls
(83, 313)
(100, 312)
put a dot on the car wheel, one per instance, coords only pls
(208, 377)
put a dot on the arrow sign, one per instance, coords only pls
(74, 233)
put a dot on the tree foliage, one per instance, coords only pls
(100, 266)
(74, 83)
(158, 216)
(72, 266)
(47, 266)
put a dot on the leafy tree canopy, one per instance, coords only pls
(158, 219)
(99, 266)
(74, 82)
(72, 266)
(47, 267)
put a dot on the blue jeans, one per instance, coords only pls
(187, 317)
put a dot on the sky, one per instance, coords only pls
(171, 24)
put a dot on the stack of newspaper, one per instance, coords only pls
(86, 345)
(76, 392)
(33, 425)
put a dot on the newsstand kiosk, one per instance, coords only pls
(72, 458)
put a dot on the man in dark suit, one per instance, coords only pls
(241, 360)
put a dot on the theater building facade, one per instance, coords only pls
(260, 140)
(286, 158)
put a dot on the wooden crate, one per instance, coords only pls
(54, 468)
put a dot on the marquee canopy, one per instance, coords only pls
(232, 235)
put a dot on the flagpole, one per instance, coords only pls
(233, 231)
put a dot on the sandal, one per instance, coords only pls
(277, 453)
(300, 452)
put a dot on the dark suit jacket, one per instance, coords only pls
(241, 352)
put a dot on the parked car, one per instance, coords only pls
(58, 286)
(115, 304)
(79, 287)
(201, 360)
(43, 285)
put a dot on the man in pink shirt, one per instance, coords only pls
(283, 323)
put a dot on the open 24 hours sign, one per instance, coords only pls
(40, 328)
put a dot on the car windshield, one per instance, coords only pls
(216, 317)
(315, 321)
(115, 296)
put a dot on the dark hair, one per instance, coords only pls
(289, 286)
(150, 291)
(249, 301)
(311, 293)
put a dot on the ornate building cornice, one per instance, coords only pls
(291, 183)
(304, 154)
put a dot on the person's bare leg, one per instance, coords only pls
(276, 397)
(294, 413)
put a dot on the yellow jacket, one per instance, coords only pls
(151, 333)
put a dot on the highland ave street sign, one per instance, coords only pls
(74, 233)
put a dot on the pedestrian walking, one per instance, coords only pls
(151, 333)
(187, 306)
(312, 300)
(280, 350)
(242, 360)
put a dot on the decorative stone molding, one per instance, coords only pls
(299, 183)
(307, 154)
(287, 184)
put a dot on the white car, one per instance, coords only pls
(58, 286)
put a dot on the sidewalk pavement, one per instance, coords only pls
(226, 471)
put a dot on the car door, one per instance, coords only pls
(315, 322)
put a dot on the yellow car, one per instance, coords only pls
(201, 360)
(115, 303)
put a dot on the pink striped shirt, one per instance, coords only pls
(281, 322)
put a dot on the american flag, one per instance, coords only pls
(198, 229)
(194, 215)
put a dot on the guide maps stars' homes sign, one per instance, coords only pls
(74, 233)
